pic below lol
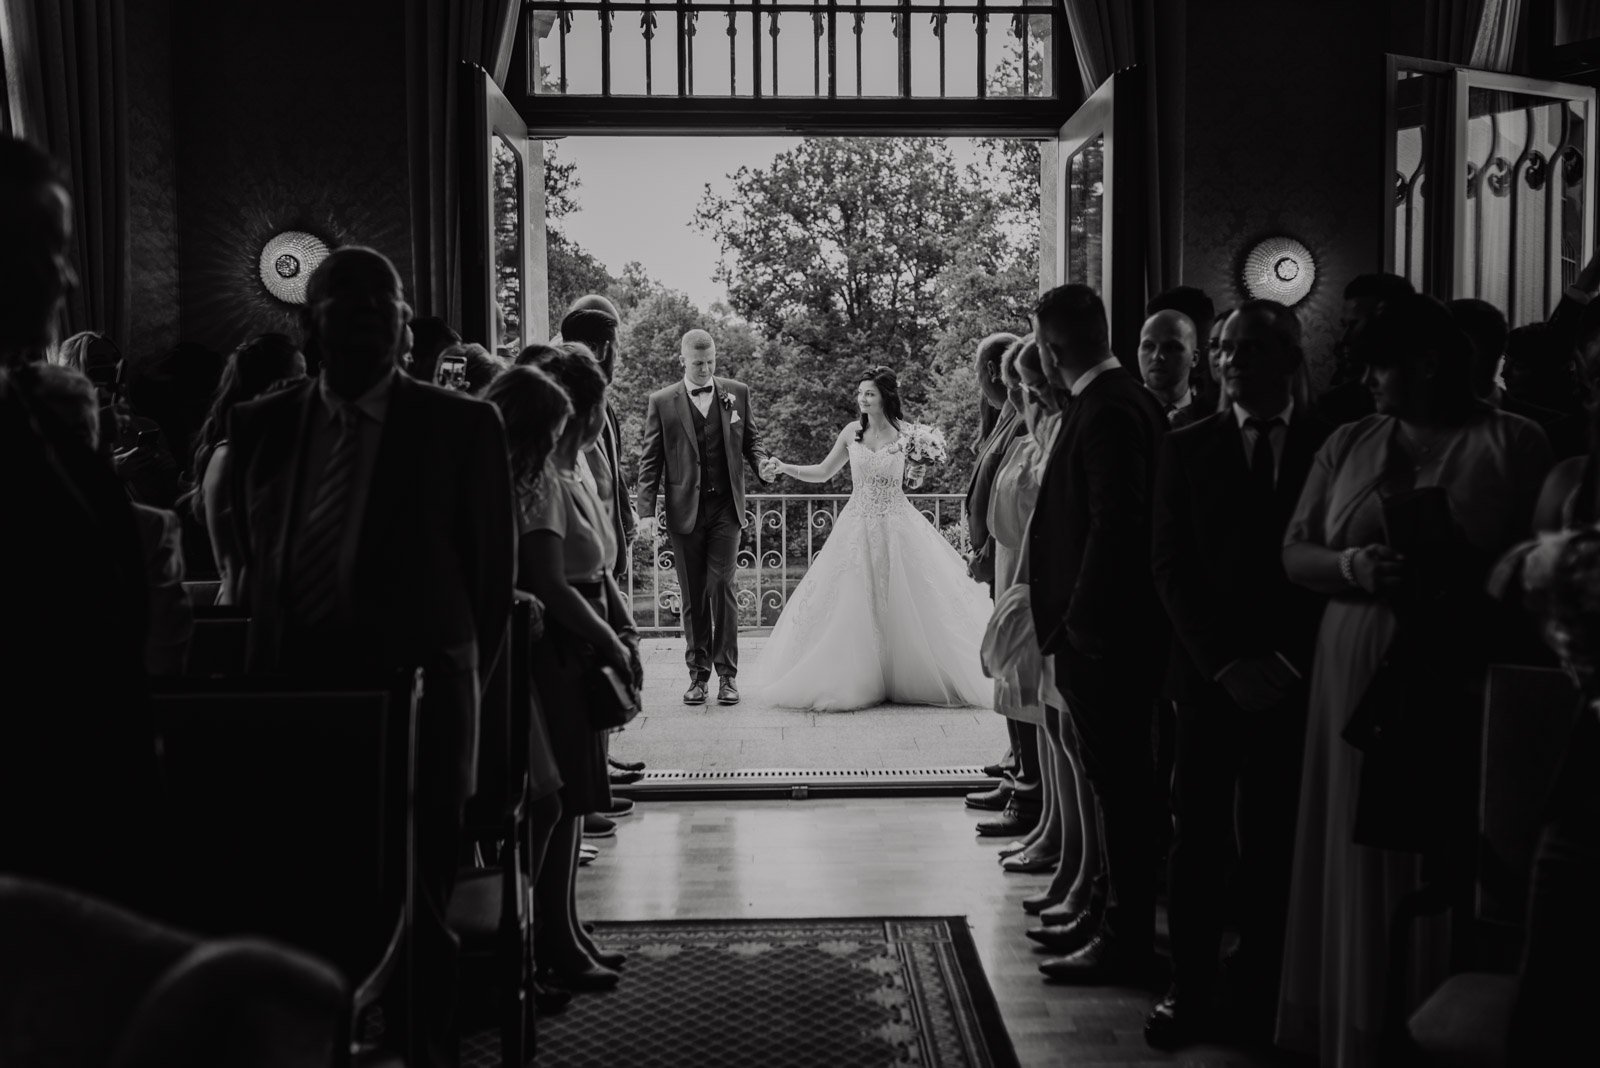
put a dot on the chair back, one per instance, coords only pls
(1528, 717)
(219, 641)
(291, 812)
(503, 724)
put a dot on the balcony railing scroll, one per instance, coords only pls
(783, 534)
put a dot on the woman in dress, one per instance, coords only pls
(1354, 860)
(565, 553)
(886, 612)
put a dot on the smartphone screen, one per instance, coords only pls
(453, 372)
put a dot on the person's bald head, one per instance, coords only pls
(355, 318)
(593, 321)
(699, 354)
(1167, 346)
(595, 302)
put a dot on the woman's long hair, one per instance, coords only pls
(530, 403)
(889, 390)
(254, 369)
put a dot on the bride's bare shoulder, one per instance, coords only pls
(848, 432)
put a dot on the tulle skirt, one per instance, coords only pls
(886, 613)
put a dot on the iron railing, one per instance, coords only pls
(783, 534)
(1012, 46)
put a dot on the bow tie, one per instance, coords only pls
(702, 389)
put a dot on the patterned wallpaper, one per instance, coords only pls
(153, 182)
(1284, 140)
(290, 115)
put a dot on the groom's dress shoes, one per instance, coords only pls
(624, 778)
(727, 692)
(695, 694)
(625, 765)
(1016, 821)
(990, 800)
(1103, 961)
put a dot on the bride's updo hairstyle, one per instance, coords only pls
(889, 390)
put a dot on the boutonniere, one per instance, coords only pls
(726, 399)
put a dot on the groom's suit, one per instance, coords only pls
(698, 459)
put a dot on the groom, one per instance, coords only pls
(695, 433)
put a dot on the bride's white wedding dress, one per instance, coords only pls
(886, 612)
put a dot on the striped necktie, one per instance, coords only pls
(316, 556)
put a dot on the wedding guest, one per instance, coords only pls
(1011, 648)
(79, 779)
(1530, 351)
(593, 321)
(1080, 873)
(1347, 399)
(1243, 634)
(252, 370)
(479, 367)
(1214, 353)
(1095, 610)
(373, 517)
(1400, 514)
(1020, 765)
(536, 411)
(566, 552)
(72, 399)
(1167, 347)
(1197, 305)
(175, 390)
(430, 336)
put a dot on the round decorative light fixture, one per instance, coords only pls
(1280, 269)
(287, 262)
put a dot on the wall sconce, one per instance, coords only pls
(1280, 269)
(287, 262)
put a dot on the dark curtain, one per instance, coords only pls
(67, 65)
(440, 34)
(1485, 34)
(1107, 36)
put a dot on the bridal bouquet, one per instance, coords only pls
(925, 444)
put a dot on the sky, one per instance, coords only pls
(637, 196)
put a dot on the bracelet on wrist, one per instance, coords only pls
(1347, 569)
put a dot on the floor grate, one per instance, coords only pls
(811, 774)
(800, 783)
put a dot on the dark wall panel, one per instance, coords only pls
(153, 181)
(1283, 135)
(290, 116)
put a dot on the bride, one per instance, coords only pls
(886, 611)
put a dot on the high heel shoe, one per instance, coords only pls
(1012, 848)
(588, 977)
(1030, 863)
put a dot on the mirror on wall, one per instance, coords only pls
(506, 213)
(1086, 187)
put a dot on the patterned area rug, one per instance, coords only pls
(852, 993)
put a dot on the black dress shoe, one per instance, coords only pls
(990, 800)
(608, 958)
(1037, 903)
(620, 806)
(625, 765)
(624, 778)
(727, 692)
(1102, 962)
(1015, 822)
(1000, 770)
(591, 977)
(1175, 1022)
(696, 693)
(1067, 937)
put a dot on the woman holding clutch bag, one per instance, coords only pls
(1399, 518)
(565, 555)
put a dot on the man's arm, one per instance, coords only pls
(241, 442)
(487, 539)
(652, 459)
(619, 484)
(1116, 463)
(754, 454)
(1191, 602)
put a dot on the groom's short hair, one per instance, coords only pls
(596, 329)
(1074, 317)
(695, 340)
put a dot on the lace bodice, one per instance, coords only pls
(877, 477)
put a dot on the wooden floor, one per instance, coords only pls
(896, 856)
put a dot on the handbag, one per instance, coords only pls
(611, 701)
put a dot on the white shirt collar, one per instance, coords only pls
(1093, 373)
(1242, 416)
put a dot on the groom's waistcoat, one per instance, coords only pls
(714, 480)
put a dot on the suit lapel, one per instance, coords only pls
(298, 446)
(725, 417)
(394, 470)
(1298, 452)
(686, 418)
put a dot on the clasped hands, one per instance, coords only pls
(770, 468)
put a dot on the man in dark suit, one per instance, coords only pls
(79, 779)
(698, 435)
(1168, 344)
(1244, 637)
(1096, 612)
(374, 523)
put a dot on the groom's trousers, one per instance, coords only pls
(704, 559)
